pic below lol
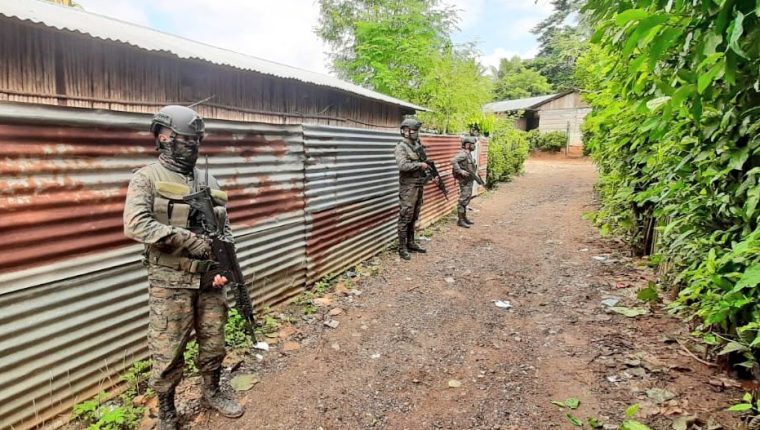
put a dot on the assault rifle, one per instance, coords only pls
(475, 176)
(224, 253)
(432, 172)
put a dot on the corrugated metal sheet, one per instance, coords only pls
(351, 196)
(518, 104)
(481, 159)
(440, 149)
(101, 27)
(304, 202)
(73, 298)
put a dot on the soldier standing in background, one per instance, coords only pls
(411, 181)
(184, 295)
(464, 171)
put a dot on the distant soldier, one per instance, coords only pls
(182, 296)
(411, 181)
(464, 170)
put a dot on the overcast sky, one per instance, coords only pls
(282, 30)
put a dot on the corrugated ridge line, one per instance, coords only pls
(440, 149)
(110, 293)
(68, 332)
(351, 196)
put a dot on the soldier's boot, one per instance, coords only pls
(167, 412)
(215, 398)
(461, 222)
(403, 252)
(467, 220)
(413, 246)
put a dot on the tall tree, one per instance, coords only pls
(455, 90)
(514, 80)
(562, 38)
(403, 48)
(385, 45)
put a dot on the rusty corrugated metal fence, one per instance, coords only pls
(305, 201)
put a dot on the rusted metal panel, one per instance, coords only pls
(73, 293)
(482, 162)
(351, 196)
(440, 149)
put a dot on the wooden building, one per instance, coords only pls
(64, 56)
(554, 112)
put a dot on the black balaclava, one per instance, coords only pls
(178, 155)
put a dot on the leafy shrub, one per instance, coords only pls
(507, 152)
(552, 141)
(675, 133)
(235, 335)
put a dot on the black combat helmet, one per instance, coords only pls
(469, 139)
(412, 123)
(180, 119)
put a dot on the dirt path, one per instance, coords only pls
(389, 363)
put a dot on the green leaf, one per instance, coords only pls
(738, 158)
(740, 407)
(647, 25)
(707, 78)
(657, 102)
(572, 403)
(747, 397)
(648, 294)
(594, 423)
(629, 15)
(558, 403)
(682, 94)
(631, 410)
(733, 347)
(634, 425)
(735, 31)
(574, 421)
(750, 277)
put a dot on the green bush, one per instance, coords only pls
(675, 133)
(507, 152)
(552, 141)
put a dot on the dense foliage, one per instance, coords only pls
(552, 141)
(513, 80)
(675, 131)
(507, 151)
(403, 48)
(562, 39)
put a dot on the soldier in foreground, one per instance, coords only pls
(184, 293)
(412, 177)
(464, 171)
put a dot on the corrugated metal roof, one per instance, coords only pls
(106, 28)
(519, 104)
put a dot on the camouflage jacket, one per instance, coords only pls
(151, 212)
(461, 163)
(408, 162)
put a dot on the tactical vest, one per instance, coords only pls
(169, 209)
(467, 164)
(414, 156)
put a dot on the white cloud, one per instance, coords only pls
(280, 31)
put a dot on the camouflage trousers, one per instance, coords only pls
(465, 195)
(174, 314)
(410, 203)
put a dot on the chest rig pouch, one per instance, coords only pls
(169, 208)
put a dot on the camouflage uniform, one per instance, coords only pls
(411, 182)
(181, 297)
(459, 165)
